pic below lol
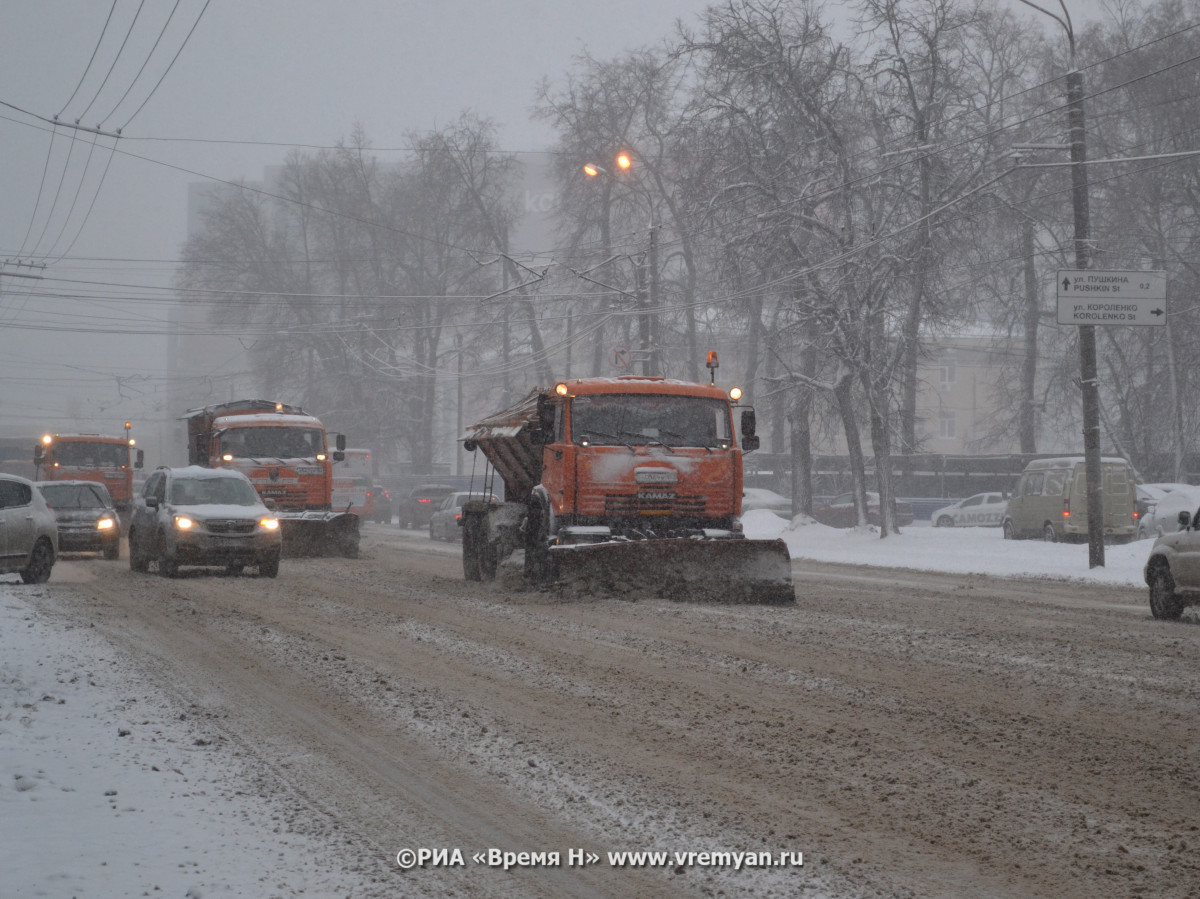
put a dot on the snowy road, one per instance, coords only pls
(911, 732)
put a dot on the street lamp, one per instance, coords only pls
(647, 286)
(1088, 383)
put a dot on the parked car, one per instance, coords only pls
(444, 523)
(86, 516)
(381, 507)
(1050, 501)
(1161, 516)
(839, 511)
(761, 498)
(28, 531)
(202, 516)
(980, 510)
(422, 501)
(1173, 570)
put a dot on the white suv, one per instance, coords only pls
(28, 531)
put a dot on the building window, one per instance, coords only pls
(948, 372)
(946, 424)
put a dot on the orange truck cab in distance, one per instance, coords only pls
(280, 448)
(636, 453)
(284, 452)
(90, 457)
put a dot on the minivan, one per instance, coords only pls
(1051, 501)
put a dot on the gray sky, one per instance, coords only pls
(290, 72)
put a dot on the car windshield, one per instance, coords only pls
(649, 419)
(213, 491)
(73, 496)
(88, 454)
(278, 443)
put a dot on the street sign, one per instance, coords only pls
(1112, 298)
(620, 358)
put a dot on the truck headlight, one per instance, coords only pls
(183, 522)
(105, 524)
(271, 524)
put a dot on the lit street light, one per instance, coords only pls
(647, 290)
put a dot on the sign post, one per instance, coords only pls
(1112, 298)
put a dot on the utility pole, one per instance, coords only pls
(1088, 383)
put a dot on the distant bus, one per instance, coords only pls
(352, 479)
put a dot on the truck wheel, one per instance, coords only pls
(1049, 534)
(137, 557)
(479, 556)
(539, 567)
(269, 569)
(113, 550)
(1164, 604)
(1010, 532)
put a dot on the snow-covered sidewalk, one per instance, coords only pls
(955, 550)
(107, 788)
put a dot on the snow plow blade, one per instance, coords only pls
(319, 534)
(732, 571)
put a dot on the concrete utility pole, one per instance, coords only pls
(1088, 383)
(1087, 333)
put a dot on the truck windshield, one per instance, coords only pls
(88, 454)
(649, 420)
(278, 443)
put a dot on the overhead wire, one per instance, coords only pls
(145, 62)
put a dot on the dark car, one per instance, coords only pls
(444, 524)
(86, 516)
(839, 511)
(418, 507)
(202, 516)
(381, 505)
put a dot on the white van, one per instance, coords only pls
(1051, 501)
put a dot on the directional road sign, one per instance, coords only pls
(1112, 298)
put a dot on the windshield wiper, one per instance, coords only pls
(652, 440)
(608, 437)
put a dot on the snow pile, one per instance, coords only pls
(955, 550)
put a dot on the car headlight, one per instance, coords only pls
(106, 524)
(271, 524)
(183, 522)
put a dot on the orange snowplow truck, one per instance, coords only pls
(90, 457)
(284, 452)
(626, 484)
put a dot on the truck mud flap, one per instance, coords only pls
(732, 571)
(320, 534)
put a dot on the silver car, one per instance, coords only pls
(1173, 570)
(28, 531)
(445, 524)
(202, 516)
